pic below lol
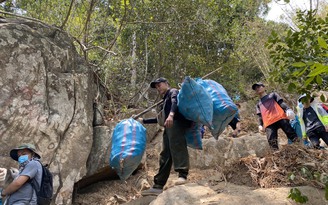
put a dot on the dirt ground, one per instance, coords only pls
(247, 176)
(250, 173)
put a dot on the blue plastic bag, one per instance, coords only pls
(194, 136)
(128, 146)
(297, 127)
(224, 109)
(195, 103)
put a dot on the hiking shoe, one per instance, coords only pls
(180, 181)
(152, 192)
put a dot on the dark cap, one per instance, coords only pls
(257, 84)
(158, 80)
(14, 155)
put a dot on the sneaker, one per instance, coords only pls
(152, 192)
(180, 181)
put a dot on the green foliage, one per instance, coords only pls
(291, 176)
(191, 38)
(158, 38)
(296, 195)
(300, 57)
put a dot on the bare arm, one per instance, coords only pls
(15, 185)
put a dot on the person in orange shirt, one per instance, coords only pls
(273, 114)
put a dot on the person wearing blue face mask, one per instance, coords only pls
(20, 190)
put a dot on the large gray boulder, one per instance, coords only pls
(46, 97)
(227, 150)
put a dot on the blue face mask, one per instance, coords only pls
(22, 158)
(300, 105)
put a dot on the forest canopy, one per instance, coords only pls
(129, 43)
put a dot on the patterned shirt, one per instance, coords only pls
(269, 109)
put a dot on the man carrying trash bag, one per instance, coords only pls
(174, 148)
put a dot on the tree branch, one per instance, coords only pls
(85, 29)
(117, 33)
(68, 14)
(101, 48)
(28, 18)
(162, 22)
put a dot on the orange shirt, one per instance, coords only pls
(270, 110)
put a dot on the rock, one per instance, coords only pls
(184, 194)
(226, 150)
(100, 151)
(46, 98)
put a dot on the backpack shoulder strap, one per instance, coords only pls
(36, 186)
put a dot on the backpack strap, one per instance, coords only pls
(36, 186)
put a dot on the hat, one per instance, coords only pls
(14, 155)
(257, 84)
(158, 80)
(303, 96)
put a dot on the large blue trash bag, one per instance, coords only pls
(195, 103)
(194, 135)
(223, 107)
(128, 146)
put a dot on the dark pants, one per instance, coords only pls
(174, 150)
(316, 134)
(233, 123)
(272, 132)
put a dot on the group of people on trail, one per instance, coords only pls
(174, 146)
(22, 189)
(273, 113)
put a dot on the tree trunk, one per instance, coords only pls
(133, 63)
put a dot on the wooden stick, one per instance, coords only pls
(147, 110)
(205, 76)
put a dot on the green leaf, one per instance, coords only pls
(318, 79)
(308, 81)
(322, 43)
(317, 175)
(291, 176)
(296, 195)
(291, 87)
(310, 62)
(319, 68)
(304, 170)
(299, 64)
(322, 98)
